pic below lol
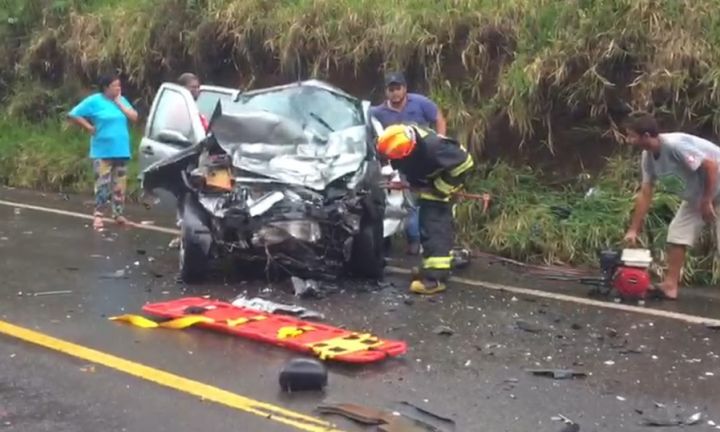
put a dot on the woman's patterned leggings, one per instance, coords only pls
(110, 184)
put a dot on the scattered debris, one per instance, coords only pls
(118, 274)
(570, 425)
(433, 421)
(443, 331)
(609, 363)
(302, 374)
(47, 293)
(713, 325)
(272, 307)
(526, 326)
(386, 421)
(694, 419)
(557, 374)
(305, 288)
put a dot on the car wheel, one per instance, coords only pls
(192, 260)
(368, 253)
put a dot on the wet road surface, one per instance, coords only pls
(475, 376)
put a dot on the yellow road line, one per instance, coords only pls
(204, 391)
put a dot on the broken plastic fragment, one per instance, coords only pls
(694, 419)
(526, 326)
(443, 330)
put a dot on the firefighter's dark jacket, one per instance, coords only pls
(437, 163)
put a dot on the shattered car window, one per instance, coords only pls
(313, 108)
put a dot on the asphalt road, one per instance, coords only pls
(475, 376)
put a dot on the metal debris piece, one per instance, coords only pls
(443, 330)
(432, 421)
(272, 307)
(557, 373)
(660, 421)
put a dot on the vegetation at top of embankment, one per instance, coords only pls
(542, 84)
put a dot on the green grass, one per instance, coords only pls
(539, 80)
(50, 156)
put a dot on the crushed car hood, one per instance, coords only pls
(273, 146)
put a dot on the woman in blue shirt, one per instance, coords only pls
(105, 116)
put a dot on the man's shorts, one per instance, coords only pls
(687, 225)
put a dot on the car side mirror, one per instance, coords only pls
(173, 137)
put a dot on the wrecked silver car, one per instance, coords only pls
(287, 178)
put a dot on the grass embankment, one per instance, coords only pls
(536, 82)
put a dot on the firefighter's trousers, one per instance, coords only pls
(437, 236)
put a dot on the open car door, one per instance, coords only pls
(174, 124)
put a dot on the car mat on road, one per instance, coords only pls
(386, 421)
(323, 341)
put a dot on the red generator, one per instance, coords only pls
(625, 271)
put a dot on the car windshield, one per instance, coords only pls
(314, 108)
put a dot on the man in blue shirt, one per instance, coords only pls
(408, 108)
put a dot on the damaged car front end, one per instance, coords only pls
(286, 179)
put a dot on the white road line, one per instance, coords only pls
(692, 319)
(86, 216)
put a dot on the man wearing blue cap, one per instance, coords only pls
(408, 108)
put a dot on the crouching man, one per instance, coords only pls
(437, 166)
(693, 159)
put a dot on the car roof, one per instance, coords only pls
(307, 83)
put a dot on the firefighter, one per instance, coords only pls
(436, 166)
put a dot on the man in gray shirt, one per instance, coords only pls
(695, 161)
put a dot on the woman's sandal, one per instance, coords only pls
(121, 220)
(98, 224)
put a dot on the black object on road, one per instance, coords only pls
(557, 373)
(302, 374)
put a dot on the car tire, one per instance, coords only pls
(193, 261)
